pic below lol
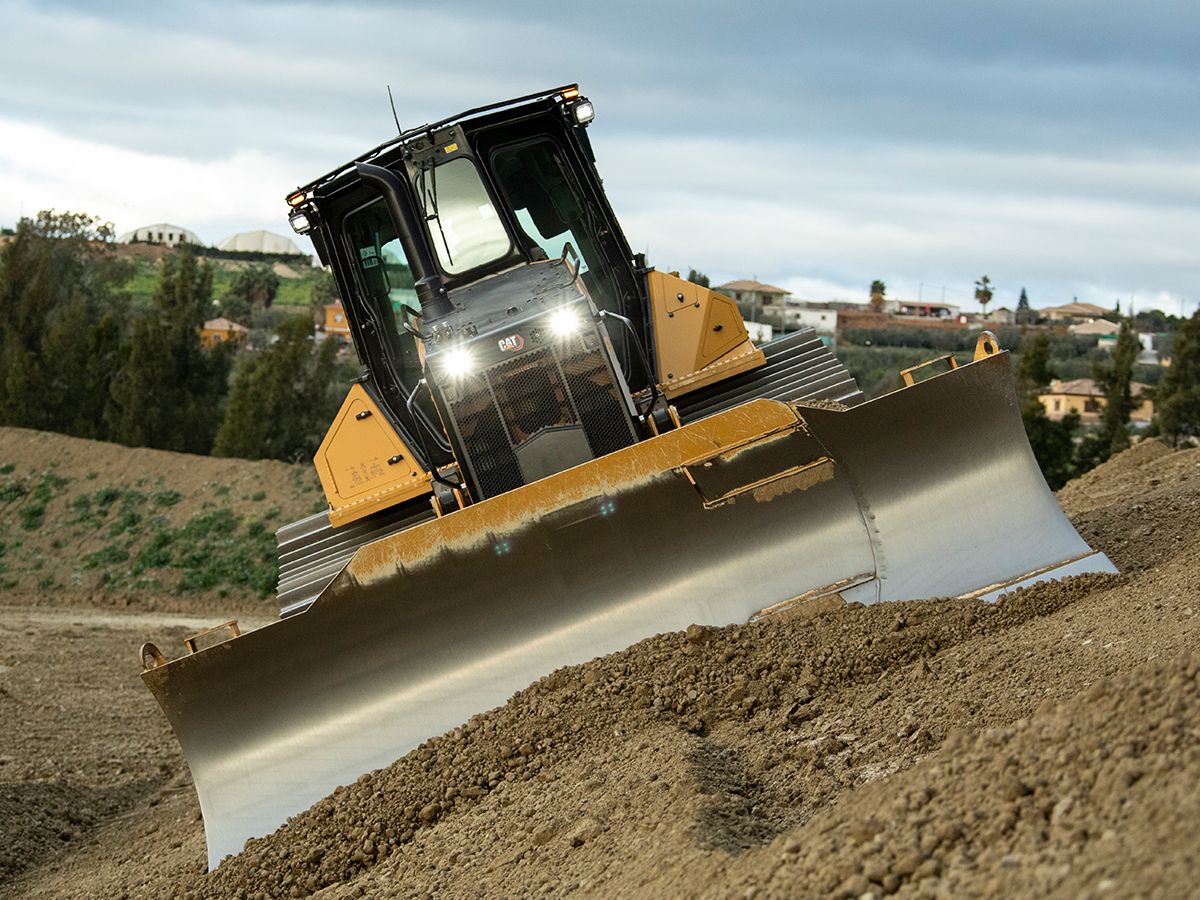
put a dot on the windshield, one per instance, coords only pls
(463, 224)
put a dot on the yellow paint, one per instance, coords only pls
(699, 336)
(649, 460)
(352, 462)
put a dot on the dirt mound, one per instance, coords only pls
(1046, 744)
(1140, 506)
(84, 521)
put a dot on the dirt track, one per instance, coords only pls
(1046, 745)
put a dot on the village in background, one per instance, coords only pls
(272, 345)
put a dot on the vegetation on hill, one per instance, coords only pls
(105, 347)
(84, 516)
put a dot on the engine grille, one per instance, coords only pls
(498, 409)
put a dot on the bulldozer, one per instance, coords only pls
(555, 451)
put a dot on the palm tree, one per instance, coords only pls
(983, 292)
(878, 289)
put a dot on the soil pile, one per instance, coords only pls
(1047, 744)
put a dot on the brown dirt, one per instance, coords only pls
(1046, 745)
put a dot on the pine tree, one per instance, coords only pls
(1034, 371)
(697, 278)
(1116, 377)
(167, 393)
(1052, 442)
(1178, 395)
(280, 404)
(1024, 314)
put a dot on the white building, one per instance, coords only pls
(163, 233)
(823, 320)
(260, 242)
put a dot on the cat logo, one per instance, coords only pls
(514, 343)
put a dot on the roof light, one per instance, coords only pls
(296, 198)
(571, 93)
(584, 112)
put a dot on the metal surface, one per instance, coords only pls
(312, 551)
(931, 491)
(799, 367)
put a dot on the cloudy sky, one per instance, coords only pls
(1050, 144)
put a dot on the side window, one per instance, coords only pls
(386, 281)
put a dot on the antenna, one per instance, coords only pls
(399, 130)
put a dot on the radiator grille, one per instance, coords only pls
(499, 409)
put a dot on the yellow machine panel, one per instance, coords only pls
(363, 464)
(699, 335)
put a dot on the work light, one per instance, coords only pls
(457, 362)
(584, 112)
(564, 322)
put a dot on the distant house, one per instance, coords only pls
(163, 233)
(1074, 312)
(260, 242)
(218, 331)
(335, 320)
(1085, 397)
(1001, 316)
(1098, 327)
(753, 297)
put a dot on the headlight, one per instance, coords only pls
(457, 362)
(564, 322)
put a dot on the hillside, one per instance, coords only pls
(1046, 745)
(83, 520)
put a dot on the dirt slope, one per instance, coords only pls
(1047, 745)
(84, 521)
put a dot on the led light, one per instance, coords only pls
(299, 222)
(571, 92)
(564, 322)
(457, 362)
(296, 198)
(584, 112)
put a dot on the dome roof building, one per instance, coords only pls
(260, 242)
(163, 233)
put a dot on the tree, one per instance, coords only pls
(256, 285)
(1178, 394)
(983, 292)
(168, 390)
(1053, 443)
(1025, 314)
(1116, 377)
(1034, 371)
(58, 282)
(323, 291)
(697, 278)
(878, 292)
(280, 403)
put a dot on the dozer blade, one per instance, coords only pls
(929, 491)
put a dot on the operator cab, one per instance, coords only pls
(426, 235)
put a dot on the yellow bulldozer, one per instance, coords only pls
(555, 451)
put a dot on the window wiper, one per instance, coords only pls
(429, 199)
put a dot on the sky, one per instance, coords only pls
(1052, 145)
